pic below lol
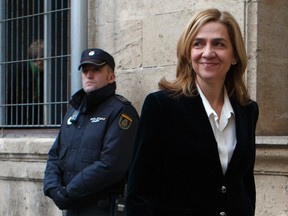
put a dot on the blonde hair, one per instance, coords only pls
(184, 84)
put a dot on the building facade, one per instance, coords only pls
(142, 36)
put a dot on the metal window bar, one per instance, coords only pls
(35, 79)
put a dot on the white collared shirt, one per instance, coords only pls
(224, 129)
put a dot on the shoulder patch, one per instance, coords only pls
(125, 121)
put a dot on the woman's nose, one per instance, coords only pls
(208, 52)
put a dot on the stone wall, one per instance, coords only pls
(271, 175)
(22, 164)
(272, 64)
(142, 36)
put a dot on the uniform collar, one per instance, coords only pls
(93, 99)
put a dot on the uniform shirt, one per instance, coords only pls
(224, 128)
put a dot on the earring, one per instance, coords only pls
(234, 62)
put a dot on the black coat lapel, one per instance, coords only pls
(241, 136)
(200, 125)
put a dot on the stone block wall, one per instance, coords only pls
(272, 65)
(22, 164)
(271, 176)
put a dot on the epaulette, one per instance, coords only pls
(122, 99)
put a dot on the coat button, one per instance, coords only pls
(222, 214)
(223, 189)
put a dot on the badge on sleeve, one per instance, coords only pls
(125, 121)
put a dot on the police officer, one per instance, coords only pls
(88, 161)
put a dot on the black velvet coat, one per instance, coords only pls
(176, 168)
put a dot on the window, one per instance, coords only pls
(35, 62)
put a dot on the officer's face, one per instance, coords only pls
(94, 78)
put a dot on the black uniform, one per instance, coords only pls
(90, 157)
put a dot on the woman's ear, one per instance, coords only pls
(234, 62)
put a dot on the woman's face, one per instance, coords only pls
(212, 53)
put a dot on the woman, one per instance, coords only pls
(195, 147)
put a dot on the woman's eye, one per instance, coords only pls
(220, 44)
(197, 44)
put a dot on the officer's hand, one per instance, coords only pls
(61, 198)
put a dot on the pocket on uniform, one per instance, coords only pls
(88, 157)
